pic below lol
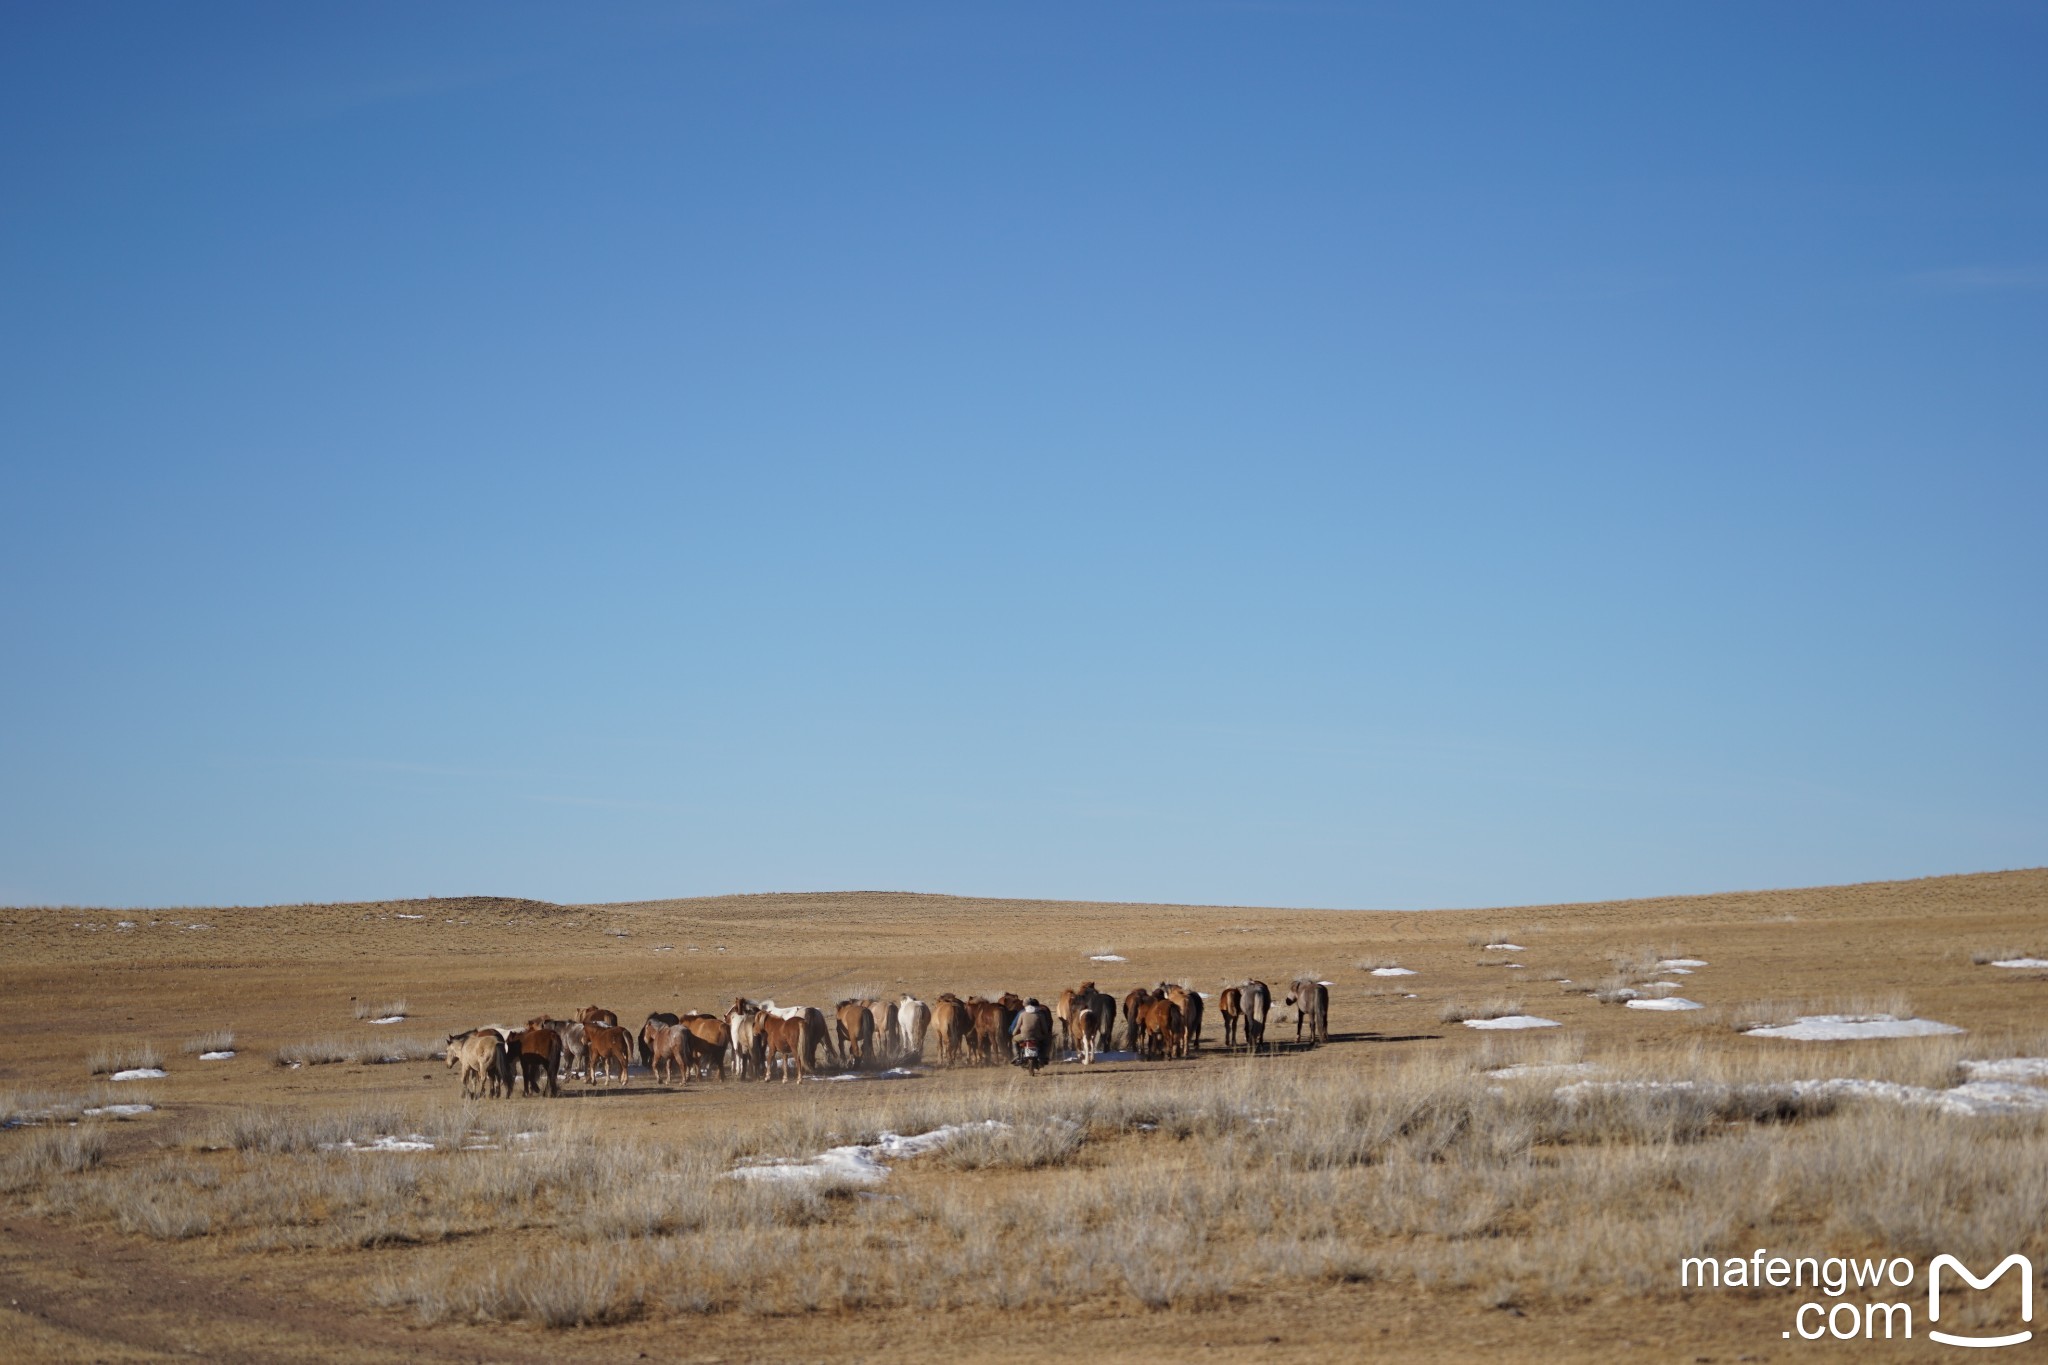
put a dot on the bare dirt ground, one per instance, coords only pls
(76, 1287)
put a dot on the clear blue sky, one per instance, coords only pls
(1314, 454)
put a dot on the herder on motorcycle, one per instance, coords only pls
(1031, 1036)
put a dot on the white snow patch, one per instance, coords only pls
(1970, 1098)
(1672, 964)
(894, 1073)
(120, 1110)
(1677, 971)
(221, 1056)
(1411, 997)
(1505, 948)
(387, 1019)
(140, 1073)
(2022, 962)
(2008, 1069)
(416, 1142)
(1107, 957)
(1512, 966)
(404, 916)
(1393, 971)
(1669, 1002)
(199, 926)
(1831, 1028)
(1521, 1069)
(860, 1163)
(1513, 1021)
(126, 924)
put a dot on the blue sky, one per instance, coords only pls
(1318, 454)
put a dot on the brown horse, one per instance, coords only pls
(1132, 1002)
(1190, 1001)
(710, 1041)
(1162, 1032)
(1230, 1005)
(784, 1038)
(668, 1049)
(952, 1024)
(609, 1047)
(856, 1031)
(645, 1036)
(540, 1054)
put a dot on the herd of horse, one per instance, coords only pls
(763, 1040)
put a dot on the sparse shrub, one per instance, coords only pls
(43, 1156)
(1458, 1011)
(120, 1055)
(214, 1040)
(366, 1051)
(389, 1009)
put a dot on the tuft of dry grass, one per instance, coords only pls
(1770, 1013)
(213, 1040)
(365, 1051)
(1458, 1011)
(44, 1156)
(388, 1009)
(122, 1055)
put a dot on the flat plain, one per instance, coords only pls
(1416, 1187)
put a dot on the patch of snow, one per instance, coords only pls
(1393, 971)
(1513, 1021)
(126, 924)
(387, 1019)
(1107, 957)
(120, 1110)
(1970, 1098)
(2022, 962)
(894, 1073)
(1677, 971)
(402, 916)
(199, 926)
(1521, 1069)
(220, 1056)
(1513, 966)
(140, 1073)
(417, 1142)
(1672, 964)
(860, 1163)
(1411, 997)
(1833, 1028)
(1505, 948)
(1669, 1002)
(2008, 1069)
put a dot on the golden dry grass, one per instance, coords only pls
(1382, 1189)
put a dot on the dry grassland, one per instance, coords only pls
(1381, 1194)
